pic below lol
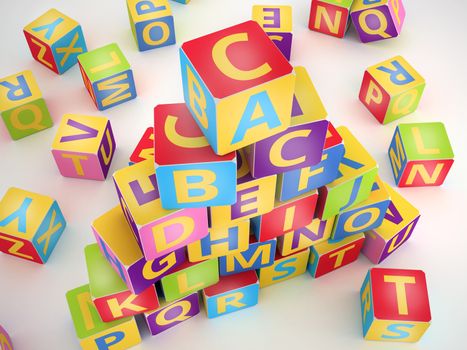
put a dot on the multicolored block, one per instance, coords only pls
(396, 228)
(330, 17)
(107, 76)
(357, 174)
(5, 340)
(420, 154)
(391, 89)
(152, 23)
(84, 147)
(55, 40)
(158, 231)
(192, 174)
(30, 225)
(329, 256)
(145, 147)
(237, 85)
(284, 268)
(92, 332)
(184, 2)
(22, 107)
(377, 19)
(232, 293)
(395, 305)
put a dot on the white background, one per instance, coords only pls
(302, 312)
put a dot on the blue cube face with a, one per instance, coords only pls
(155, 33)
(232, 301)
(397, 156)
(114, 90)
(67, 49)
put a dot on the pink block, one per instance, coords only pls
(397, 10)
(373, 246)
(85, 163)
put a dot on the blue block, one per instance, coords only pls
(159, 32)
(231, 301)
(115, 92)
(367, 315)
(393, 147)
(73, 40)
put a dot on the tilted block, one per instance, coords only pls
(237, 86)
(232, 293)
(377, 19)
(92, 332)
(145, 147)
(184, 2)
(55, 40)
(158, 231)
(397, 227)
(192, 174)
(330, 17)
(391, 89)
(152, 23)
(84, 147)
(329, 256)
(22, 107)
(117, 243)
(107, 76)
(30, 225)
(420, 154)
(357, 174)
(284, 268)
(395, 305)
(5, 340)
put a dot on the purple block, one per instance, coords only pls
(375, 24)
(108, 146)
(283, 42)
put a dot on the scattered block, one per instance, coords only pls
(184, 2)
(5, 340)
(284, 268)
(145, 147)
(330, 17)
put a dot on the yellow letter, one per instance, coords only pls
(406, 105)
(349, 223)
(420, 145)
(114, 60)
(420, 169)
(383, 23)
(106, 156)
(149, 273)
(198, 102)
(340, 255)
(400, 282)
(399, 157)
(76, 159)
(373, 94)
(232, 299)
(321, 12)
(366, 300)
(183, 304)
(116, 307)
(275, 153)
(160, 236)
(179, 140)
(15, 248)
(393, 246)
(147, 33)
(183, 187)
(263, 250)
(183, 287)
(289, 216)
(112, 84)
(35, 123)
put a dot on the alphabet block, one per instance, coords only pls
(184, 2)
(107, 76)
(5, 340)
(284, 268)
(152, 23)
(330, 16)
(55, 40)
(92, 332)
(84, 146)
(377, 19)
(391, 89)
(22, 107)
(364, 216)
(119, 246)
(420, 154)
(172, 314)
(232, 293)
(329, 256)
(30, 225)
(192, 174)
(357, 174)
(145, 147)
(395, 305)
(237, 86)
(396, 228)
(159, 231)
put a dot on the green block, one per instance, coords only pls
(189, 278)
(404, 104)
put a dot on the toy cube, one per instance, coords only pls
(22, 107)
(420, 154)
(30, 225)
(357, 174)
(145, 147)
(220, 242)
(5, 340)
(377, 19)
(285, 217)
(329, 256)
(258, 254)
(92, 332)
(107, 76)
(55, 40)
(397, 227)
(84, 146)
(172, 314)
(314, 233)
(152, 23)
(395, 305)
(276, 22)
(232, 293)
(391, 89)
(192, 174)
(237, 85)
(189, 278)
(184, 2)
(284, 268)
(158, 231)
(364, 216)
(330, 17)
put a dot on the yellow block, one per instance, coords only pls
(284, 268)
(400, 331)
(266, 19)
(8, 94)
(148, 9)
(105, 339)
(51, 26)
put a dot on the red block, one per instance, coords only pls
(328, 19)
(430, 166)
(18, 247)
(41, 52)
(378, 110)
(145, 147)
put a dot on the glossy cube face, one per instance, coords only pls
(391, 89)
(420, 154)
(192, 174)
(395, 305)
(145, 147)
(107, 76)
(30, 225)
(55, 40)
(330, 17)
(284, 268)
(5, 340)
(84, 146)
(237, 86)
